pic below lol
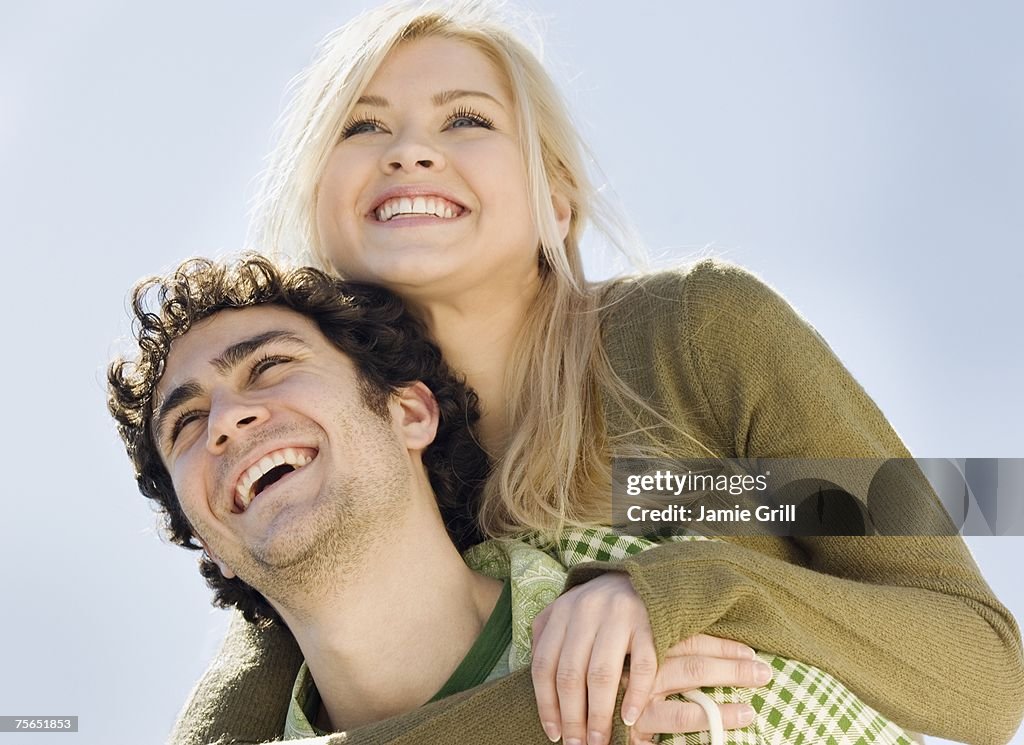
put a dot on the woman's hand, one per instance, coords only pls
(695, 663)
(580, 643)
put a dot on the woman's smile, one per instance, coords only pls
(402, 204)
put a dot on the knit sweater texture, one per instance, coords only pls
(907, 623)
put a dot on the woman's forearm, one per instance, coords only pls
(933, 650)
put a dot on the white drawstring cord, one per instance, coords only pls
(714, 714)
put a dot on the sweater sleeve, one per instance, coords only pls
(907, 623)
(503, 712)
(243, 696)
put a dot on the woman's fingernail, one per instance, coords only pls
(631, 715)
(595, 738)
(762, 673)
(551, 730)
(746, 715)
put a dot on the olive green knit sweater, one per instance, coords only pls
(908, 624)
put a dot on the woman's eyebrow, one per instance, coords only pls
(438, 99)
(378, 101)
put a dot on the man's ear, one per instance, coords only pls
(224, 568)
(415, 414)
(563, 212)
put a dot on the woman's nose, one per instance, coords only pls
(412, 153)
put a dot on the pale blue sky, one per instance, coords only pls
(864, 157)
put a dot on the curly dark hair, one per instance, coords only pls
(387, 345)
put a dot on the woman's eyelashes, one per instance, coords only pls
(464, 117)
(362, 125)
(460, 118)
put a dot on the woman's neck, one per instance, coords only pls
(477, 333)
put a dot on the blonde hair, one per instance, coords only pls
(554, 470)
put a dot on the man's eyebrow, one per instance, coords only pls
(438, 99)
(229, 359)
(237, 352)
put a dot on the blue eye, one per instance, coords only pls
(463, 117)
(362, 125)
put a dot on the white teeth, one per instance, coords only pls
(417, 206)
(244, 490)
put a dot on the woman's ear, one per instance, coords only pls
(415, 415)
(563, 212)
(224, 568)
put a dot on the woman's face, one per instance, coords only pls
(426, 190)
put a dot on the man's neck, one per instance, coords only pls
(385, 641)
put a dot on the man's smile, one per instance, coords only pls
(267, 470)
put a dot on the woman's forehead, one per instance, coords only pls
(435, 64)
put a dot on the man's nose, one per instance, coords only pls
(412, 152)
(231, 417)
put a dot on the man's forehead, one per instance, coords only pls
(208, 339)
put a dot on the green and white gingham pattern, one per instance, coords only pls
(801, 704)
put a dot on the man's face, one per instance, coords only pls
(275, 458)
